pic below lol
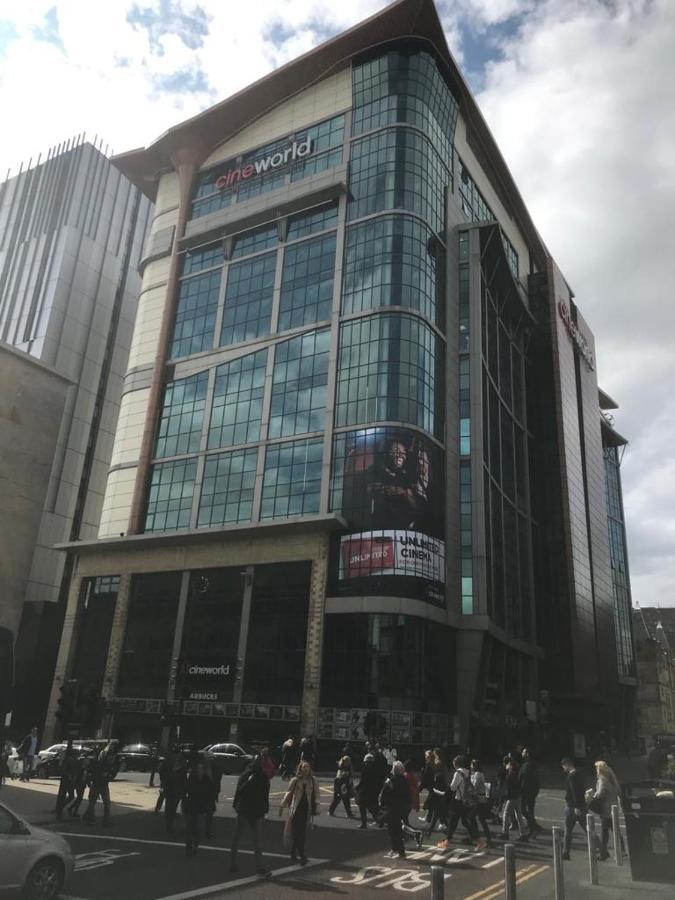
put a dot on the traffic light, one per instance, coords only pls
(68, 701)
(239, 670)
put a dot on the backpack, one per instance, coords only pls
(470, 799)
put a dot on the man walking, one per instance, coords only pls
(529, 789)
(197, 802)
(68, 781)
(575, 802)
(173, 777)
(28, 750)
(251, 802)
(368, 790)
(102, 770)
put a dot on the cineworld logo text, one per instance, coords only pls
(297, 150)
(577, 337)
(209, 670)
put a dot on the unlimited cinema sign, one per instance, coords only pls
(296, 150)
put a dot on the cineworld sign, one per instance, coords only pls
(296, 150)
(209, 670)
(579, 340)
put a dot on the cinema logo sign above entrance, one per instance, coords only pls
(296, 150)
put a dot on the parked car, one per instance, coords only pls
(49, 766)
(136, 758)
(231, 758)
(35, 862)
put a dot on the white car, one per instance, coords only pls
(32, 861)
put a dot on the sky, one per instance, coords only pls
(578, 94)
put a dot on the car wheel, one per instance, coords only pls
(44, 881)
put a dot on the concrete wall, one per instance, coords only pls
(32, 397)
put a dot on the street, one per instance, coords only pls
(137, 860)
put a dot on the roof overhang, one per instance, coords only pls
(150, 541)
(402, 19)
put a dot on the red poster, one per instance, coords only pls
(367, 556)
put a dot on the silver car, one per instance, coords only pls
(32, 860)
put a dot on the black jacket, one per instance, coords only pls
(369, 786)
(395, 797)
(252, 797)
(529, 778)
(512, 786)
(575, 790)
(198, 797)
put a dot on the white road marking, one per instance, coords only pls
(113, 837)
(494, 862)
(240, 882)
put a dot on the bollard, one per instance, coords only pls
(558, 876)
(437, 883)
(616, 829)
(592, 850)
(510, 871)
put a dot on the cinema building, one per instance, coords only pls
(358, 482)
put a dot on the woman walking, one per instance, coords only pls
(343, 787)
(607, 792)
(439, 799)
(302, 802)
(427, 783)
(483, 805)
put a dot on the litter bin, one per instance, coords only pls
(649, 810)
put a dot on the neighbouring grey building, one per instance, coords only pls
(71, 235)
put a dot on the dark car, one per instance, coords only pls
(137, 758)
(231, 758)
(49, 764)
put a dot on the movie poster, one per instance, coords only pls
(388, 485)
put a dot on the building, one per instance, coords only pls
(359, 478)
(71, 233)
(655, 652)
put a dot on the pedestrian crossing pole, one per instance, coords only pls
(616, 829)
(592, 851)
(558, 876)
(510, 871)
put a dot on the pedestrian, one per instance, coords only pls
(215, 775)
(427, 783)
(67, 784)
(512, 811)
(483, 804)
(155, 762)
(390, 755)
(382, 767)
(302, 802)
(28, 750)
(529, 790)
(102, 770)
(173, 773)
(409, 773)
(575, 802)
(289, 758)
(267, 763)
(395, 803)
(439, 798)
(82, 780)
(605, 795)
(462, 805)
(308, 750)
(368, 790)
(343, 787)
(251, 803)
(500, 791)
(197, 803)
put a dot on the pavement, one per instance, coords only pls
(136, 859)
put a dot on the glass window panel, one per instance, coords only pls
(310, 222)
(170, 495)
(248, 299)
(292, 482)
(307, 282)
(254, 241)
(237, 401)
(227, 488)
(299, 385)
(196, 314)
(182, 416)
(203, 258)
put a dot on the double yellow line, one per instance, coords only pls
(495, 890)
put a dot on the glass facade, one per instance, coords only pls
(196, 314)
(619, 563)
(476, 208)
(227, 488)
(292, 480)
(299, 385)
(94, 625)
(248, 299)
(307, 282)
(182, 416)
(237, 401)
(170, 495)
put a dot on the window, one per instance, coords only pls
(476, 208)
(237, 401)
(466, 537)
(196, 314)
(292, 479)
(203, 258)
(402, 86)
(227, 488)
(315, 164)
(389, 368)
(392, 261)
(398, 169)
(299, 385)
(180, 424)
(254, 241)
(248, 299)
(170, 497)
(310, 222)
(307, 282)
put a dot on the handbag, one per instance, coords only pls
(595, 805)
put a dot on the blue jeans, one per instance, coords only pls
(571, 819)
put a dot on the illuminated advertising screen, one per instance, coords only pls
(388, 485)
